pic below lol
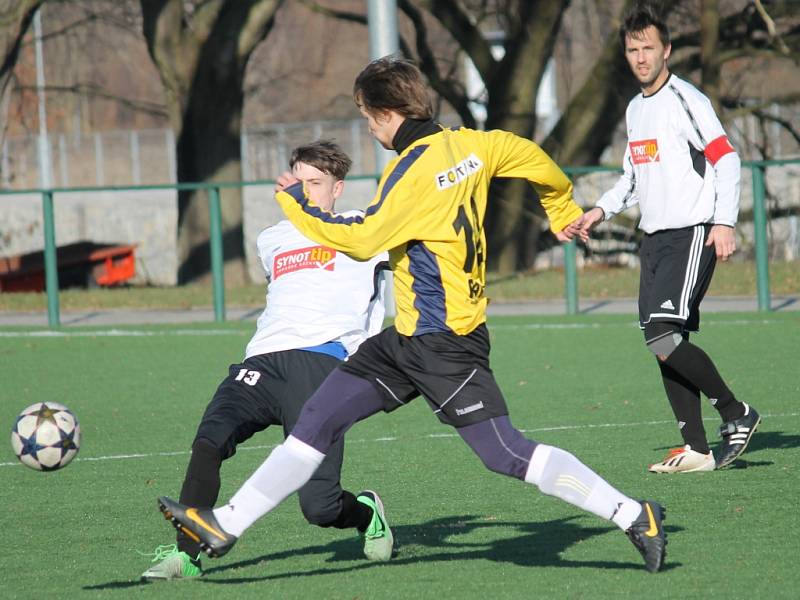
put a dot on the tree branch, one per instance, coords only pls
(95, 91)
(449, 89)
(787, 125)
(773, 34)
(466, 33)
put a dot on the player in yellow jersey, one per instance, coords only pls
(428, 213)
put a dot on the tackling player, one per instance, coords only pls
(429, 213)
(683, 172)
(321, 305)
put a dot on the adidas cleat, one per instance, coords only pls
(684, 460)
(172, 564)
(648, 535)
(199, 524)
(736, 435)
(378, 538)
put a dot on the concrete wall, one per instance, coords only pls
(149, 219)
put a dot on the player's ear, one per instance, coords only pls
(667, 51)
(382, 116)
(338, 188)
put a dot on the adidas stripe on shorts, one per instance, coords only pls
(676, 270)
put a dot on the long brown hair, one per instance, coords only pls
(393, 83)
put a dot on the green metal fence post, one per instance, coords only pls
(760, 232)
(50, 263)
(571, 277)
(217, 267)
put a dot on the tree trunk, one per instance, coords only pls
(709, 40)
(201, 58)
(16, 17)
(513, 215)
(209, 150)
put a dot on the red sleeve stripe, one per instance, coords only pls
(718, 148)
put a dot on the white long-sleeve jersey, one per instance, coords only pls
(673, 137)
(315, 294)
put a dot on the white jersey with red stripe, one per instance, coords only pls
(679, 165)
(315, 294)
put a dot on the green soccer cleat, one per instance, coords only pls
(199, 525)
(647, 534)
(172, 564)
(378, 539)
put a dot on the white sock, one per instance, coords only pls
(558, 473)
(285, 470)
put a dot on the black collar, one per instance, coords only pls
(661, 87)
(410, 131)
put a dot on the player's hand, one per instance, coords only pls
(573, 229)
(285, 180)
(723, 239)
(590, 219)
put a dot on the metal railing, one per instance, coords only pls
(215, 235)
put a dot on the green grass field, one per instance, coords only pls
(585, 383)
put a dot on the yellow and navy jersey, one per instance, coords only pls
(428, 213)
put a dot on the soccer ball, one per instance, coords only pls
(46, 436)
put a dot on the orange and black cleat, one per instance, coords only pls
(199, 524)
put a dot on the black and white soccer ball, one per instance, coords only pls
(46, 436)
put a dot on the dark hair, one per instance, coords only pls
(324, 155)
(393, 83)
(641, 16)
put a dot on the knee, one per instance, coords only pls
(203, 448)
(662, 339)
(318, 512)
(502, 448)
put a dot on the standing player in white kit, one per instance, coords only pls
(684, 173)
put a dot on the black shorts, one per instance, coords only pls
(677, 268)
(268, 389)
(451, 371)
(271, 389)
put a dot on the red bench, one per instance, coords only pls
(79, 264)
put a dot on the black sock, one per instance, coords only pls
(200, 486)
(353, 514)
(697, 367)
(685, 401)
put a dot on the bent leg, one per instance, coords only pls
(503, 449)
(323, 501)
(341, 401)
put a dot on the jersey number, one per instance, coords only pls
(249, 377)
(472, 236)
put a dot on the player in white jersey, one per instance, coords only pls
(321, 305)
(684, 174)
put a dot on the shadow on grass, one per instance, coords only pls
(767, 440)
(537, 545)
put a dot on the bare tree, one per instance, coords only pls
(528, 33)
(15, 19)
(201, 49)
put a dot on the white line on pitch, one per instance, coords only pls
(243, 332)
(395, 439)
(121, 333)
